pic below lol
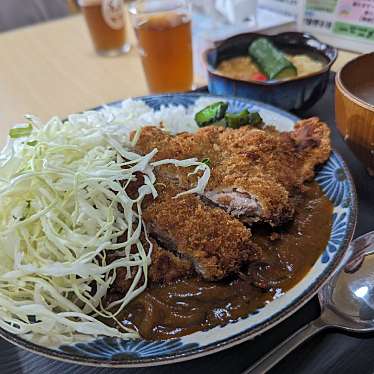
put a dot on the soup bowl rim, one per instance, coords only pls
(273, 82)
(345, 90)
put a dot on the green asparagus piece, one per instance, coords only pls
(236, 120)
(211, 114)
(255, 119)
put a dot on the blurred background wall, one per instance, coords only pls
(18, 13)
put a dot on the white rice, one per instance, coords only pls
(134, 114)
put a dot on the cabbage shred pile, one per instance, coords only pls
(63, 207)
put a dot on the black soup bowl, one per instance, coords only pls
(294, 94)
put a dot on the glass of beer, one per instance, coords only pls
(105, 21)
(163, 31)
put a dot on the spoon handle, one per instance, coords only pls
(282, 350)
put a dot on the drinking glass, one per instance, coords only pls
(163, 31)
(105, 21)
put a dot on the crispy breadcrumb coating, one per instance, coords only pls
(216, 243)
(254, 171)
(254, 175)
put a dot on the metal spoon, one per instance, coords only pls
(347, 302)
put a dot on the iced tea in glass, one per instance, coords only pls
(105, 21)
(163, 31)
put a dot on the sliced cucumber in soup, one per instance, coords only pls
(270, 60)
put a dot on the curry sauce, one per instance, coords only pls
(190, 305)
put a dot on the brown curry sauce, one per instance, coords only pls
(190, 305)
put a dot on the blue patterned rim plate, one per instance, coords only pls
(335, 180)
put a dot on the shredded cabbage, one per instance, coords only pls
(63, 206)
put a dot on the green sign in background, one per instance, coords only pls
(363, 32)
(321, 5)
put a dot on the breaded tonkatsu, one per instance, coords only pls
(216, 243)
(165, 267)
(254, 172)
(188, 236)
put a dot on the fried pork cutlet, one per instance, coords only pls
(254, 172)
(216, 243)
(197, 238)
(165, 267)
